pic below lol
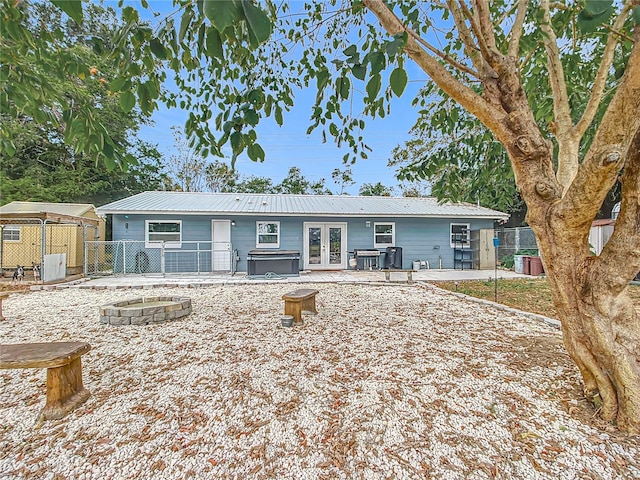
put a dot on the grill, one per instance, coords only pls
(281, 262)
(369, 258)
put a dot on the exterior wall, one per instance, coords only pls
(425, 239)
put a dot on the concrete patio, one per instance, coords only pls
(343, 276)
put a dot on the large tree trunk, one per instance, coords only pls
(600, 326)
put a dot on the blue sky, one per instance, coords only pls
(290, 145)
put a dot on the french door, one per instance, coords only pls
(325, 246)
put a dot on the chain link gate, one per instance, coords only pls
(26, 242)
(125, 257)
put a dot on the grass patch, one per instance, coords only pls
(530, 295)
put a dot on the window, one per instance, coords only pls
(168, 231)
(268, 234)
(460, 235)
(11, 233)
(384, 235)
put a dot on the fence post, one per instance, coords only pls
(124, 258)
(517, 240)
(162, 260)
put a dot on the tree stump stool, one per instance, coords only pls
(64, 372)
(3, 295)
(298, 300)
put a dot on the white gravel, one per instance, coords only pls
(384, 382)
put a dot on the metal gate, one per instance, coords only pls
(131, 257)
(26, 242)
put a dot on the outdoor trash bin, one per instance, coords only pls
(536, 266)
(526, 265)
(518, 263)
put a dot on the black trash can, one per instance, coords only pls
(393, 258)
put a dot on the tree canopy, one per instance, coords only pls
(38, 163)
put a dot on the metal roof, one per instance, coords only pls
(71, 213)
(293, 205)
(71, 209)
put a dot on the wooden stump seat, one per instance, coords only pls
(3, 295)
(64, 372)
(298, 300)
(388, 272)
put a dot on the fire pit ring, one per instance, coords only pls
(143, 311)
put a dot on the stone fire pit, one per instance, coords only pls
(143, 311)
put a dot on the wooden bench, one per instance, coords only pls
(298, 300)
(388, 272)
(64, 372)
(3, 295)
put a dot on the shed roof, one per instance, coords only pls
(293, 205)
(53, 212)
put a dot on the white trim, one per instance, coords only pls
(13, 228)
(393, 235)
(158, 244)
(277, 233)
(325, 261)
(465, 244)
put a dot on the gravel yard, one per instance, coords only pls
(386, 381)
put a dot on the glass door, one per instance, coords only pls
(325, 246)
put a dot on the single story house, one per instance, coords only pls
(32, 230)
(233, 231)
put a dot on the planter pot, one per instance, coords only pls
(287, 320)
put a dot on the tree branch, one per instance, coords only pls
(447, 58)
(626, 237)
(466, 97)
(606, 156)
(562, 111)
(601, 77)
(517, 29)
(568, 144)
(465, 35)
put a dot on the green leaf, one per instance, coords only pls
(589, 23)
(158, 49)
(636, 15)
(373, 87)
(127, 101)
(184, 23)
(350, 51)
(251, 117)
(398, 81)
(377, 61)
(596, 7)
(278, 114)
(221, 14)
(73, 8)
(322, 77)
(255, 153)
(359, 71)
(258, 21)
(236, 142)
(214, 44)
(343, 85)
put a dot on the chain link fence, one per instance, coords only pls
(130, 257)
(26, 241)
(514, 241)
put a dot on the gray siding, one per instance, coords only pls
(425, 239)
